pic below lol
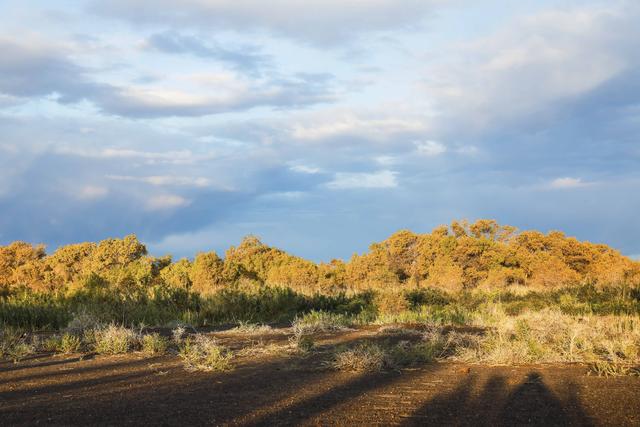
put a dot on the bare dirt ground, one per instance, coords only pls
(286, 389)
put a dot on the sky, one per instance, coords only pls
(320, 126)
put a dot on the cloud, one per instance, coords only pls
(38, 69)
(165, 180)
(430, 148)
(305, 169)
(149, 157)
(567, 182)
(355, 180)
(243, 58)
(317, 22)
(526, 74)
(166, 201)
(230, 95)
(340, 124)
(92, 192)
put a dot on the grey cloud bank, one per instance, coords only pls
(250, 124)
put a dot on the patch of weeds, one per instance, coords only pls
(178, 334)
(69, 343)
(20, 350)
(247, 328)
(603, 368)
(82, 322)
(15, 345)
(364, 357)
(304, 343)
(115, 340)
(398, 330)
(260, 348)
(154, 344)
(51, 344)
(319, 322)
(202, 353)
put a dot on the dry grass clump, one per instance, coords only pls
(365, 357)
(115, 339)
(69, 343)
(398, 330)
(259, 348)
(246, 328)
(83, 322)
(178, 334)
(550, 336)
(15, 344)
(202, 353)
(320, 322)
(154, 344)
(372, 357)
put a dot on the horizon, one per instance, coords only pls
(320, 127)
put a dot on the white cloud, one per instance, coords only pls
(386, 160)
(430, 148)
(467, 150)
(164, 180)
(166, 202)
(567, 182)
(92, 192)
(305, 169)
(284, 195)
(352, 180)
(319, 22)
(339, 124)
(149, 157)
(535, 64)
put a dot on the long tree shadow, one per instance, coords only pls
(246, 395)
(531, 403)
(74, 369)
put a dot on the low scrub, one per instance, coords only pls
(202, 353)
(154, 344)
(320, 322)
(115, 339)
(69, 343)
(15, 344)
(365, 357)
(551, 336)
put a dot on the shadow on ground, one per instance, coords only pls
(289, 390)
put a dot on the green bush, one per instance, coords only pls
(203, 353)
(115, 340)
(154, 344)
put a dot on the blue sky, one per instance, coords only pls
(320, 126)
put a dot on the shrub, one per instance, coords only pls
(14, 344)
(320, 321)
(20, 350)
(363, 357)
(115, 340)
(69, 344)
(178, 334)
(304, 343)
(81, 322)
(154, 344)
(203, 353)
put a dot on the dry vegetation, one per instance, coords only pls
(534, 297)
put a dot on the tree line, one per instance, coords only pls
(460, 256)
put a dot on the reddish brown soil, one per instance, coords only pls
(289, 390)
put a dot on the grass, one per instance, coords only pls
(154, 344)
(202, 353)
(15, 344)
(316, 322)
(115, 339)
(364, 357)
(600, 327)
(69, 343)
